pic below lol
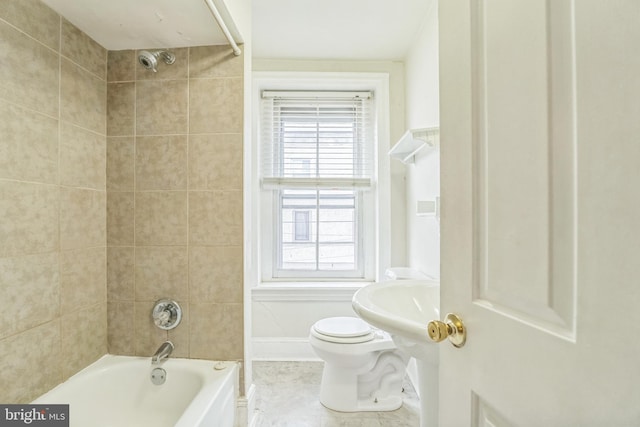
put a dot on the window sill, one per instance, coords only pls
(306, 291)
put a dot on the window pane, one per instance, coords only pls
(297, 254)
(337, 230)
(337, 257)
(318, 230)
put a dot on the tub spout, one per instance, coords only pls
(162, 353)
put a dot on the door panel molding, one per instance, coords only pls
(484, 415)
(526, 124)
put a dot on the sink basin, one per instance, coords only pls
(401, 307)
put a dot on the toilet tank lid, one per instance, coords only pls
(343, 327)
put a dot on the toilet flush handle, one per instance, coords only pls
(451, 328)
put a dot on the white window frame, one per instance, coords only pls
(374, 260)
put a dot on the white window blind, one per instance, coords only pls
(317, 140)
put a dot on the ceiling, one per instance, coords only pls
(142, 24)
(336, 29)
(288, 29)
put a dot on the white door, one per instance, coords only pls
(540, 145)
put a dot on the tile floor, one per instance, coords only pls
(287, 396)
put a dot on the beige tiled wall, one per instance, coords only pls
(174, 210)
(53, 98)
(165, 220)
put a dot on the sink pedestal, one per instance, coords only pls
(428, 385)
(427, 359)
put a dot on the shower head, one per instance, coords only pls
(149, 59)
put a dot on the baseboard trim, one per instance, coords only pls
(246, 409)
(283, 349)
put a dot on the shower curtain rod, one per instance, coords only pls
(223, 27)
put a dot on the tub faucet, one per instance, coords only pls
(162, 352)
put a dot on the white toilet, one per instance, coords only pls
(363, 369)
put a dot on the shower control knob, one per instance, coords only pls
(451, 328)
(166, 314)
(163, 318)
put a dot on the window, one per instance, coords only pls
(301, 226)
(317, 168)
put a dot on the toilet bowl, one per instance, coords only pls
(363, 369)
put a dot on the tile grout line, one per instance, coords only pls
(188, 116)
(136, 327)
(58, 182)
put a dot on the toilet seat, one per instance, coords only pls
(343, 330)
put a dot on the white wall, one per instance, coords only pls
(423, 177)
(240, 13)
(283, 316)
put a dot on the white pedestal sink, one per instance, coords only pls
(404, 308)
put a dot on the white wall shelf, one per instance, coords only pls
(412, 142)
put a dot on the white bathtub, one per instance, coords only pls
(117, 391)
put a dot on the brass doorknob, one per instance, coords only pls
(451, 328)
